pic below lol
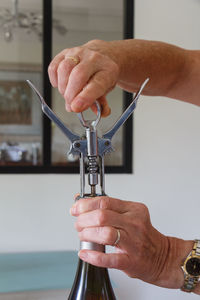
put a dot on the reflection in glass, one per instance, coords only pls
(20, 113)
(84, 21)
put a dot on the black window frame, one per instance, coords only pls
(47, 167)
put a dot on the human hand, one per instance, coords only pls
(142, 251)
(85, 74)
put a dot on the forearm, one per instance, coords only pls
(173, 71)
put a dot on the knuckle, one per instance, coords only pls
(71, 51)
(80, 75)
(113, 69)
(100, 83)
(104, 202)
(74, 50)
(94, 56)
(62, 65)
(107, 234)
(101, 217)
(99, 260)
(94, 42)
(52, 68)
(143, 207)
(80, 205)
(145, 212)
(119, 263)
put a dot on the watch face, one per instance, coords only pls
(193, 266)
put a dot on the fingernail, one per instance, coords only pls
(80, 104)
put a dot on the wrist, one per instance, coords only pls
(172, 275)
(191, 269)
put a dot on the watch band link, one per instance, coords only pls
(197, 244)
(190, 282)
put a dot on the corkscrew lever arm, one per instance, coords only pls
(109, 134)
(52, 116)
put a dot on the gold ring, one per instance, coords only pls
(76, 60)
(118, 238)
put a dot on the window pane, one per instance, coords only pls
(20, 59)
(84, 21)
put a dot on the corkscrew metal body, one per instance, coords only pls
(90, 148)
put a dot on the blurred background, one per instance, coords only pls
(34, 208)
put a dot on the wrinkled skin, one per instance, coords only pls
(142, 251)
(173, 72)
(81, 84)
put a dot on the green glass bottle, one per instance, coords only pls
(91, 282)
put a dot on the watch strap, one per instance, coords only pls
(189, 284)
(191, 281)
(197, 247)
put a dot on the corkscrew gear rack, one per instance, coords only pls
(90, 148)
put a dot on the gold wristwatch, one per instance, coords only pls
(191, 268)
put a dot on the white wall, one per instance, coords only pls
(34, 208)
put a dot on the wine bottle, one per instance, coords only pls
(91, 282)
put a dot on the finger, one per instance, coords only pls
(78, 80)
(102, 202)
(99, 85)
(99, 218)
(53, 66)
(105, 235)
(63, 72)
(106, 260)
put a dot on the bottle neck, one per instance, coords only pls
(92, 246)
